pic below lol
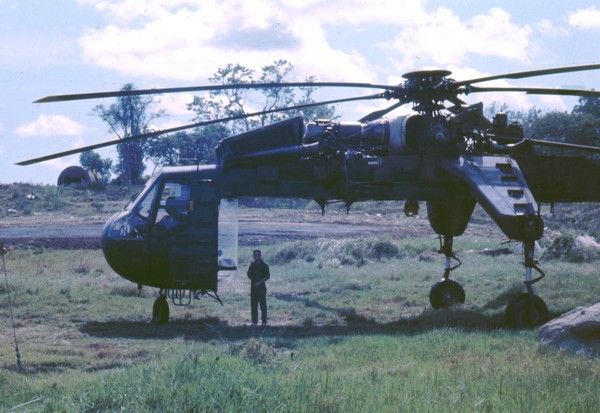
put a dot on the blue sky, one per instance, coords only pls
(59, 46)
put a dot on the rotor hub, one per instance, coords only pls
(428, 89)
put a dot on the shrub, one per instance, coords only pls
(566, 248)
(288, 252)
(256, 351)
(356, 251)
(384, 250)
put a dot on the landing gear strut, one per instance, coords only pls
(528, 309)
(447, 292)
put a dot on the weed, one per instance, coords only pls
(257, 351)
(566, 248)
(82, 267)
(98, 206)
(384, 250)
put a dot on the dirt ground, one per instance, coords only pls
(263, 225)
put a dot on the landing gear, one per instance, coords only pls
(526, 311)
(447, 292)
(160, 310)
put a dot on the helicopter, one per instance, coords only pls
(180, 232)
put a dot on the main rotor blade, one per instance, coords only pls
(136, 92)
(562, 145)
(379, 113)
(530, 73)
(535, 91)
(551, 144)
(193, 125)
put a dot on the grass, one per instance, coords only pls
(22, 200)
(350, 331)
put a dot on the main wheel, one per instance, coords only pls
(160, 310)
(446, 293)
(526, 311)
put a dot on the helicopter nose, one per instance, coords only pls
(123, 246)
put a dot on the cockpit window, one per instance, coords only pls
(174, 207)
(144, 207)
(174, 190)
(146, 194)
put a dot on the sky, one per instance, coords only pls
(50, 47)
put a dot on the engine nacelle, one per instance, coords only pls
(397, 136)
(407, 134)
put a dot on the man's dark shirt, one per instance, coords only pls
(258, 271)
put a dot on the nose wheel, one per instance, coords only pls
(446, 293)
(160, 310)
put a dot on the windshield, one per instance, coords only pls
(143, 193)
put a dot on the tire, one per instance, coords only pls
(160, 310)
(446, 293)
(526, 311)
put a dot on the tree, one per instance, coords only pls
(91, 161)
(197, 147)
(130, 116)
(200, 143)
(587, 112)
(580, 126)
(227, 103)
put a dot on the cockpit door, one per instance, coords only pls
(185, 233)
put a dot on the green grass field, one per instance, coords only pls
(348, 333)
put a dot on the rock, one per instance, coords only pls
(577, 332)
(587, 242)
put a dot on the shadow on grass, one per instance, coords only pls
(209, 329)
(487, 318)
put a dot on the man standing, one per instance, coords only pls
(258, 273)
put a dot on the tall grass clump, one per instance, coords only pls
(333, 253)
(443, 370)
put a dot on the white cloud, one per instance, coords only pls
(134, 9)
(60, 163)
(585, 18)
(176, 104)
(51, 125)
(547, 27)
(190, 40)
(445, 39)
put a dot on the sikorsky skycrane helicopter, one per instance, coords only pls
(180, 231)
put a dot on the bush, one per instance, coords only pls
(566, 248)
(384, 250)
(333, 253)
(288, 252)
(257, 351)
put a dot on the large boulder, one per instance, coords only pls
(577, 332)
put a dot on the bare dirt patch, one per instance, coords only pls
(256, 226)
